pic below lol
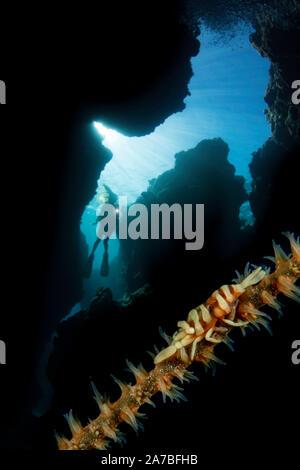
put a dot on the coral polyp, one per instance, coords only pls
(233, 306)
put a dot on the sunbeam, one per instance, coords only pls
(226, 100)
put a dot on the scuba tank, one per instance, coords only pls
(105, 195)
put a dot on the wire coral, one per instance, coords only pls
(232, 306)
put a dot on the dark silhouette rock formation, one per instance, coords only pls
(200, 175)
(276, 36)
(101, 63)
(275, 167)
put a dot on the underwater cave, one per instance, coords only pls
(158, 120)
(226, 100)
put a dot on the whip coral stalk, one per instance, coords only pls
(232, 306)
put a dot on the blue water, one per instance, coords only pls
(226, 101)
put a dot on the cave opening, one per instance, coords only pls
(226, 100)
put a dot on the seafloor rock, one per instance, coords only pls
(95, 343)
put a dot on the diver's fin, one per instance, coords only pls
(104, 270)
(89, 265)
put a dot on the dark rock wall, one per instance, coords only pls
(84, 161)
(276, 36)
(149, 77)
(126, 65)
(275, 167)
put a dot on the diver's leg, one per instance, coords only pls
(89, 265)
(95, 246)
(104, 270)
